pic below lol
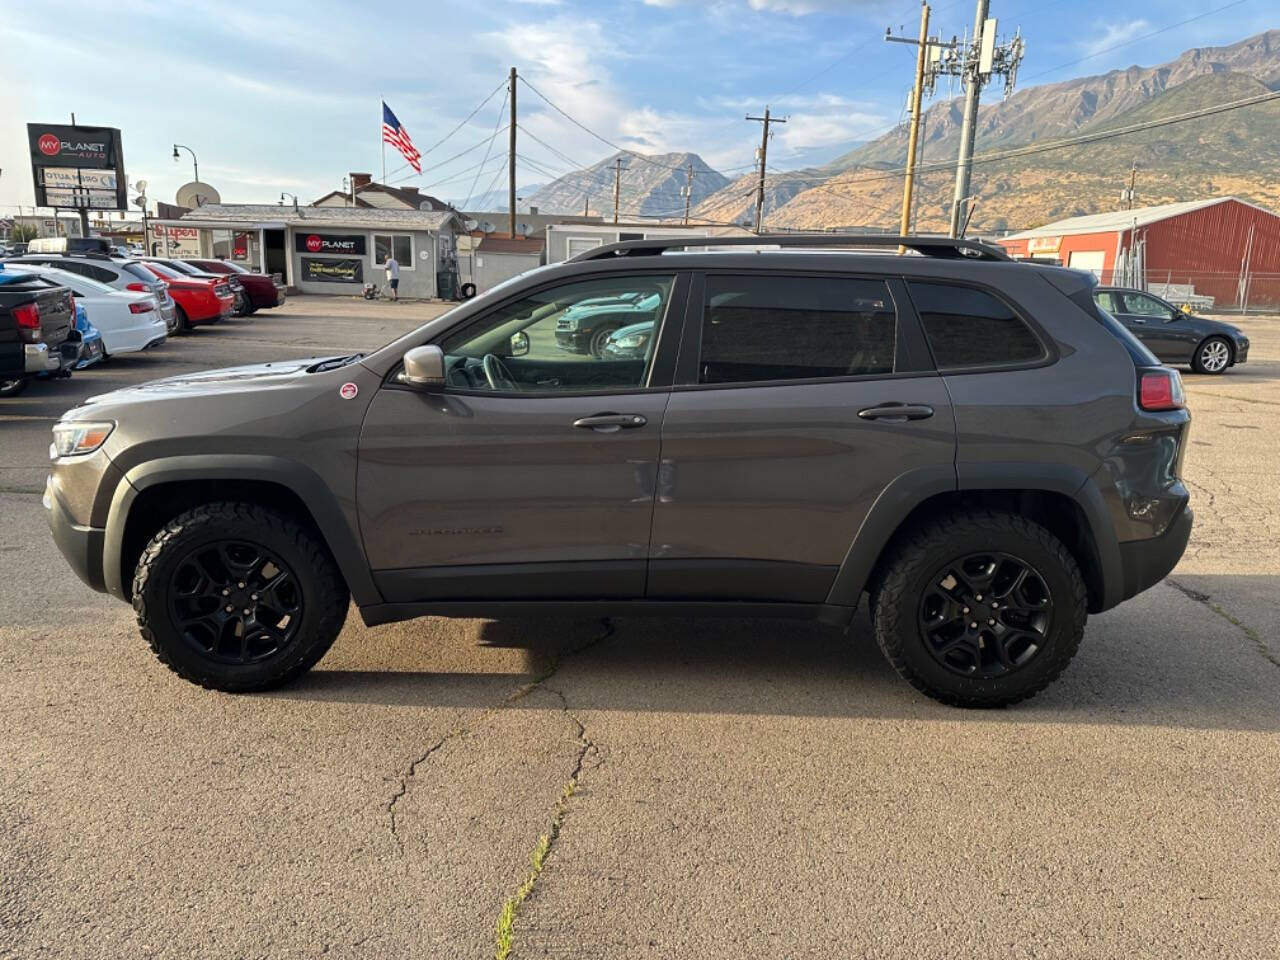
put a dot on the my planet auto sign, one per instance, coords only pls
(85, 160)
(335, 244)
(54, 145)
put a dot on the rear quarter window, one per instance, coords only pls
(967, 328)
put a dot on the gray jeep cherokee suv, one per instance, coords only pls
(972, 442)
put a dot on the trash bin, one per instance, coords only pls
(447, 285)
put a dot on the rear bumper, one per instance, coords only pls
(1146, 562)
(38, 358)
(81, 546)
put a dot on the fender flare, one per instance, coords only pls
(913, 488)
(324, 506)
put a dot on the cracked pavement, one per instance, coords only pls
(741, 788)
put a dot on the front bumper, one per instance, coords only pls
(1146, 562)
(578, 341)
(1241, 352)
(81, 546)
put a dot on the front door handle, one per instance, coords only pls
(611, 422)
(897, 412)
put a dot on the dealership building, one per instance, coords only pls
(321, 249)
(1223, 250)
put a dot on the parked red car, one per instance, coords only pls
(199, 300)
(264, 291)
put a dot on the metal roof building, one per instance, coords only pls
(1224, 248)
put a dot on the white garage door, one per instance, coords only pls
(1087, 260)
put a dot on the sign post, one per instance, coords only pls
(78, 168)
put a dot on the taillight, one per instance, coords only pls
(139, 287)
(143, 307)
(1160, 390)
(28, 318)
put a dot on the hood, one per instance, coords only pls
(227, 380)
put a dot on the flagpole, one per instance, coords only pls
(383, 104)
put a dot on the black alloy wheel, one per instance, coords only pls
(235, 602)
(986, 615)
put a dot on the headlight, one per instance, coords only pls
(632, 340)
(569, 323)
(77, 437)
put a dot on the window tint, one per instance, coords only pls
(971, 328)
(1108, 301)
(1145, 306)
(561, 339)
(795, 328)
(138, 272)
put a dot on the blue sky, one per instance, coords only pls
(284, 96)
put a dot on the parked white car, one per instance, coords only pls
(128, 321)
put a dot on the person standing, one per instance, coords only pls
(393, 275)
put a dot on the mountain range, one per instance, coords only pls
(1227, 153)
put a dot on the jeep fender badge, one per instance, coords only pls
(348, 391)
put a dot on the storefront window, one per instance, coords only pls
(221, 244)
(400, 243)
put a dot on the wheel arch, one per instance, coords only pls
(158, 490)
(1064, 500)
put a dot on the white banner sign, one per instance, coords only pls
(70, 177)
(76, 198)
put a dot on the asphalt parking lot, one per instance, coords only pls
(727, 789)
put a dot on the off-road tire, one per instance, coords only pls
(324, 594)
(905, 573)
(1197, 360)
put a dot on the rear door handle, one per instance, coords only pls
(611, 422)
(897, 412)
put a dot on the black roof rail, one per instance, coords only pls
(940, 247)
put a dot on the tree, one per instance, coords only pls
(22, 233)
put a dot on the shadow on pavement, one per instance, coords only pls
(1165, 659)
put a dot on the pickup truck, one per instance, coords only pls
(37, 331)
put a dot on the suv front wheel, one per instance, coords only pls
(979, 609)
(233, 596)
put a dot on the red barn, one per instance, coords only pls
(1226, 249)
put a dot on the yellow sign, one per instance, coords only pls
(1043, 244)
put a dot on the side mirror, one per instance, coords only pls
(424, 367)
(519, 344)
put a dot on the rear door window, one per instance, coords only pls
(968, 327)
(770, 328)
(1109, 301)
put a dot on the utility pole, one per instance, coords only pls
(688, 194)
(1130, 194)
(913, 137)
(617, 185)
(975, 61)
(764, 154)
(511, 155)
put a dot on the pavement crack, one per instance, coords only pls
(1207, 600)
(514, 697)
(505, 928)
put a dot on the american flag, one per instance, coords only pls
(395, 134)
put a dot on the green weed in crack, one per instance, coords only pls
(1203, 598)
(505, 930)
(514, 697)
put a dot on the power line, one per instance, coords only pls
(460, 153)
(606, 140)
(1145, 36)
(464, 122)
(501, 108)
(1084, 139)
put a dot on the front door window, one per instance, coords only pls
(592, 335)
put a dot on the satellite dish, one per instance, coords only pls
(426, 205)
(196, 194)
(487, 227)
(141, 186)
(470, 224)
(523, 229)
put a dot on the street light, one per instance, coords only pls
(195, 164)
(285, 193)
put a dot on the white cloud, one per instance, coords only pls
(1108, 35)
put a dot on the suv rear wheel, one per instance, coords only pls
(236, 597)
(979, 609)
